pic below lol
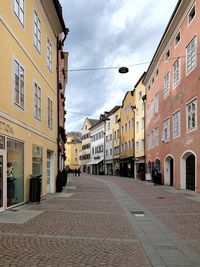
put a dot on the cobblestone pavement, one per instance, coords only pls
(84, 227)
(92, 224)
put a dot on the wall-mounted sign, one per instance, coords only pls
(6, 127)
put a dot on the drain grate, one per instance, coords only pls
(137, 212)
(160, 197)
(13, 210)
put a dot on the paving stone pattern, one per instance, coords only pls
(87, 228)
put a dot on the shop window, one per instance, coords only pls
(2, 142)
(37, 160)
(15, 172)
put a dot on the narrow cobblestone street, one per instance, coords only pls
(93, 224)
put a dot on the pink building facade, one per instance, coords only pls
(173, 101)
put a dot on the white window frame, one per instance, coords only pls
(175, 39)
(49, 113)
(176, 73)
(142, 122)
(166, 126)
(37, 31)
(137, 126)
(189, 22)
(156, 103)
(166, 91)
(193, 56)
(176, 124)
(37, 102)
(137, 147)
(20, 88)
(18, 8)
(156, 137)
(189, 114)
(49, 54)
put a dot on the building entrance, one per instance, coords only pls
(190, 172)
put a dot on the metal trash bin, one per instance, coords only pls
(35, 188)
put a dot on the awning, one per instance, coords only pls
(92, 162)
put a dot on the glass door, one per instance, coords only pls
(2, 181)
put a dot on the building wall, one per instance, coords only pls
(179, 96)
(86, 141)
(127, 118)
(116, 141)
(139, 119)
(17, 45)
(97, 148)
(73, 149)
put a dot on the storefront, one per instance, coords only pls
(22, 153)
(127, 167)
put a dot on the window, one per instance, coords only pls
(152, 139)
(192, 115)
(166, 130)
(166, 85)
(157, 72)
(142, 105)
(19, 85)
(192, 14)
(191, 56)
(149, 141)
(177, 38)
(140, 95)
(142, 122)
(167, 54)
(176, 124)
(37, 32)
(125, 127)
(156, 103)
(19, 10)
(76, 150)
(76, 159)
(122, 147)
(108, 126)
(106, 152)
(142, 145)
(111, 152)
(129, 125)
(49, 54)
(125, 146)
(110, 137)
(15, 169)
(129, 144)
(156, 137)
(176, 69)
(49, 113)
(137, 127)
(137, 146)
(37, 102)
(37, 160)
(122, 129)
(116, 119)
(152, 81)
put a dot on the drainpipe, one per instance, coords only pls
(58, 100)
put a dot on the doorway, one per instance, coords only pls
(190, 172)
(3, 181)
(50, 171)
(169, 171)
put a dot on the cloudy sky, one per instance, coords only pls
(107, 34)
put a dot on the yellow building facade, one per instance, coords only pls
(73, 149)
(116, 141)
(28, 102)
(139, 92)
(127, 129)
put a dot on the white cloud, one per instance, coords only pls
(108, 33)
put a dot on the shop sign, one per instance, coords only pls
(6, 127)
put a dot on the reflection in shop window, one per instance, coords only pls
(37, 161)
(15, 172)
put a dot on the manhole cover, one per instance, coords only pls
(160, 197)
(137, 212)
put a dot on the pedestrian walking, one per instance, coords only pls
(155, 175)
